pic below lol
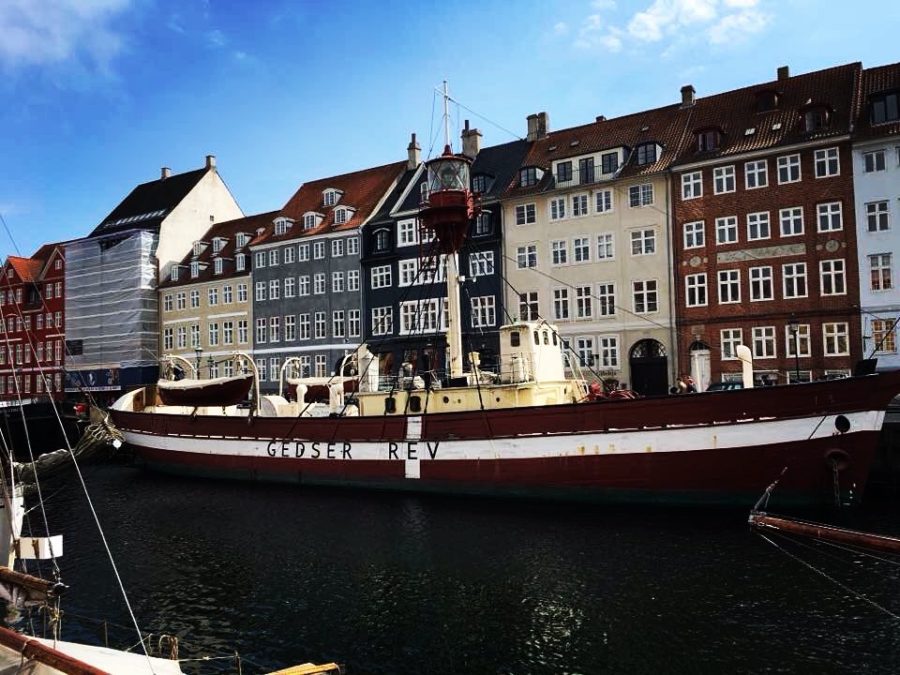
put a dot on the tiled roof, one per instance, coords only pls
(875, 81)
(227, 230)
(390, 204)
(500, 162)
(361, 190)
(744, 127)
(27, 269)
(149, 203)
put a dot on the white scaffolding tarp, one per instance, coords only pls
(112, 318)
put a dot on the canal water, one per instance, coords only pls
(392, 583)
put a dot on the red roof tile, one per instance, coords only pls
(879, 80)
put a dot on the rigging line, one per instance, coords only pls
(486, 119)
(888, 333)
(831, 579)
(843, 547)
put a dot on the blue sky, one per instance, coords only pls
(99, 94)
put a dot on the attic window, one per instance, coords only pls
(217, 266)
(528, 176)
(310, 220)
(218, 244)
(480, 183)
(282, 225)
(816, 118)
(341, 216)
(241, 239)
(240, 262)
(708, 139)
(574, 143)
(766, 100)
(195, 270)
(173, 275)
(646, 153)
(198, 248)
(330, 197)
(885, 107)
(551, 148)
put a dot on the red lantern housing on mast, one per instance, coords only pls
(449, 205)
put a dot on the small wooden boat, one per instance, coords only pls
(218, 391)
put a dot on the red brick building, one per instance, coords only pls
(764, 229)
(32, 308)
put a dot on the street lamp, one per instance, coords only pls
(198, 352)
(794, 327)
(210, 362)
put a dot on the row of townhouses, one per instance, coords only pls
(655, 242)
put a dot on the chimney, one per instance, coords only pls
(687, 95)
(471, 141)
(538, 126)
(165, 172)
(600, 118)
(784, 73)
(413, 152)
(211, 162)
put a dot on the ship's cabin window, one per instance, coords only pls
(390, 405)
(537, 338)
(514, 339)
(555, 343)
(415, 404)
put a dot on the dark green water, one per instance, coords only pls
(397, 584)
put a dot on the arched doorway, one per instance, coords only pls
(649, 368)
(700, 365)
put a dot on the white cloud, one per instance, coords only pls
(738, 27)
(54, 31)
(602, 5)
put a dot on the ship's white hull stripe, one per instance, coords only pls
(687, 439)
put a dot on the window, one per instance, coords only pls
(309, 221)
(290, 328)
(353, 246)
(646, 154)
(180, 300)
(353, 323)
(788, 169)
(213, 334)
(756, 174)
(167, 302)
(830, 217)
(564, 172)
(290, 287)
(874, 161)
(528, 176)
(827, 162)
(337, 323)
(557, 209)
(353, 280)
(479, 183)
(319, 327)
(407, 233)
(260, 291)
(382, 320)
(836, 339)
(528, 306)
(695, 287)
(242, 331)
(581, 249)
(583, 302)
(168, 342)
(761, 284)
(794, 276)
(525, 214)
(694, 234)
(341, 216)
(605, 249)
(791, 221)
(833, 277)
(640, 195)
(579, 205)
(586, 170)
(273, 257)
(609, 162)
(723, 179)
(801, 341)
(274, 289)
(815, 118)
(260, 330)
(559, 253)
(241, 239)
(880, 272)
(481, 264)
(227, 295)
(692, 185)
(319, 283)
(560, 304)
(884, 336)
(608, 353)
(330, 197)
(337, 282)
(195, 300)
(318, 250)
(228, 332)
(483, 226)
(321, 366)
(181, 337)
(726, 230)
(764, 342)
(707, 140)
(381, 276)
(584, 348)
(303, 252)
(484, 312)
(421, 316)
(603, 201)
(885, 107)
(304, 324)
(382, 240)
(758, 226)
(729, 286)
(643, 242)
(877, 216)
(526, 256)
(242, 293)
(212, 296)
(730, 339)
(644, 296)
(337, 248)
(195, 269)
(240, 262)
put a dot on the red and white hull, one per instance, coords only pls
(717, 447)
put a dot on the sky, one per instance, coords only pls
(98, 95)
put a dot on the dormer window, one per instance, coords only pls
(282, 225)
(816, 118)
(529, 176)
(311, 219)
(195, 269)
(173, 275)
(198, 248)
(217, 266)
(240, 262)
(885, 107)
(382, 240)
(564, 172)
(241, 239)
(342, 215)
(330, 197)
(766, 100)
(479, 184)
(708, 140)
(647, 153)
(483, 224)
(218, 244)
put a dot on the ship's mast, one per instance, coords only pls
(447, 209)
